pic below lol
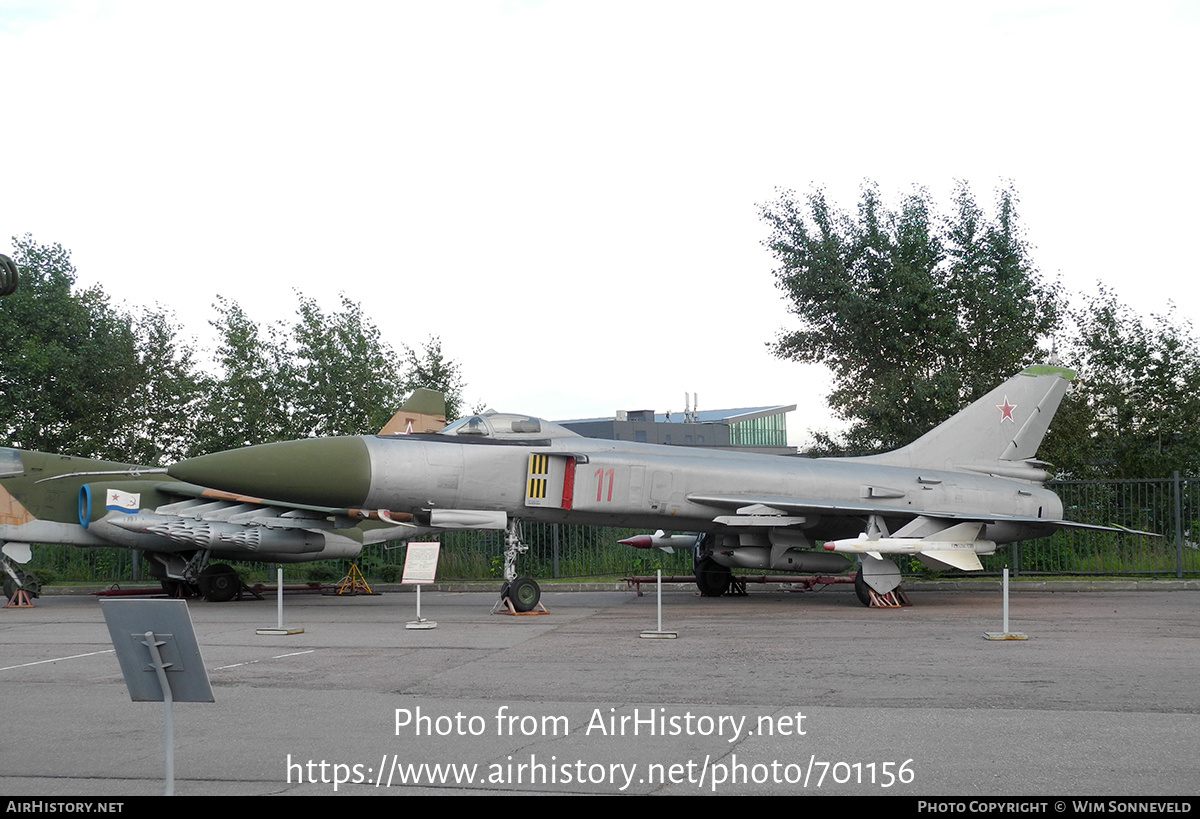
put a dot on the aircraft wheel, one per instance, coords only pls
(219, 583)
(524, 592)
(30, 582)
(860, 588)
(712, 578)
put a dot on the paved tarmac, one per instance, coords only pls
(774, 693)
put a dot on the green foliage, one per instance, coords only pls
(1053, 556)
(347, 377)
(1135, 408)
(327, 373)
(429, 368)
(166, 407)
(916, 315)
(68, 360)
(647, 565)
(248, 400)
(322, 572)
(80, 377)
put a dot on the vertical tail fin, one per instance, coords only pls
(998, 434)
(424, 411)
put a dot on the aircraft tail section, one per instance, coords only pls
(424, 411)
(999, 434)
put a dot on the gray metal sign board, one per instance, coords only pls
(170, 624)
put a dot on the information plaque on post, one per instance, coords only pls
(420, 568)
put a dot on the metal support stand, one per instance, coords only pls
(895, 599)
(20, 600)
(1006, 634)
(658, 633)
(420, 624)
(504, 606)
(353, 582)
(279, 629)
(160, 670)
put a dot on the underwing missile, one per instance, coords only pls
(906, 546)
(662, 541)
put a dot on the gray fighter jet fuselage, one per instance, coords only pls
(957, 492)
(563, 478)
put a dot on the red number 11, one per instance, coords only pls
(600, 473)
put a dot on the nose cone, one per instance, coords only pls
(333, 472)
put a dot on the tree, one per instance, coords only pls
(68, 359)
(347, 379)
(1135, 407)
(327, 373)
(916, 315)
(166, 408)
(81, 377)
(248, 400)
(429, 368)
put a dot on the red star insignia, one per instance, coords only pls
(1006, 411)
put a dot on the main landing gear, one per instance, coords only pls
(17, 581)
(712, 579)
(877, 583)
(216, 582)
(219, 583)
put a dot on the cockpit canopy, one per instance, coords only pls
(507, 426)
(10, 462)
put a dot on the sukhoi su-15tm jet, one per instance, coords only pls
(957, 492)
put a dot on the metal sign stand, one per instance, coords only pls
(279, 627)
(160, 660)
(1006, 634)
(658, 633)
(420, 568)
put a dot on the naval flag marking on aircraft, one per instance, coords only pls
(123, 501)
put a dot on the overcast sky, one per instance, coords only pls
(568, 192)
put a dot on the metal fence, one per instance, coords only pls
(1169, 507)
